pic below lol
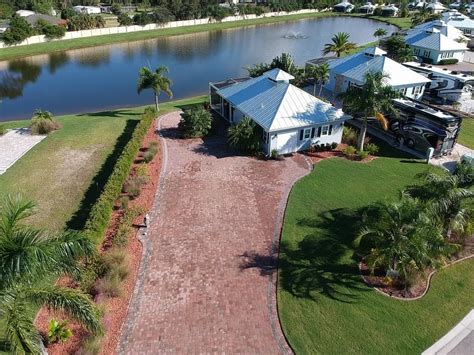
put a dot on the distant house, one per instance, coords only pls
(390, 11)
(455, 5)
(446, 29)
(435, 7)
(460, 21)
(367, 8)
(289, 118)
(344, 6)
(351, 70)
(87, 9)
(24, 13)
(433, 46)
(33, 20)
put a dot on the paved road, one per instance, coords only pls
(205, 282)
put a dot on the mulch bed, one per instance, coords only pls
(316, 157)
(115, 308)
(378, 280)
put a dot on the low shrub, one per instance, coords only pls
(116, 263)
(124, 20)
(349, 151)
(90, 346)
(43, 122)
(327, 147)
(245, 136)
(3, 129)
(92, 270)
(58, 332)
(362, 155)
(149, 155)
(124, 200)
(371, 148)
(134, 185)
(196, 122)
(349, 136)
(110, 285)
(274, 154)
(102, 209)
(448, 61)
(126, 226)
(334, 145)
(142, 171)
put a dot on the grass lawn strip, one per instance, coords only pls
(54, 46)
(324, 305)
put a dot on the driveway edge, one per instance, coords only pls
(144, 239)
(272, 302)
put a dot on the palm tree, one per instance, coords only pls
(320, 74)
(446, 197)
(373, 99)
(340, 44)
(402, 237)
(156, 81)
(379, 33)
(27, 257)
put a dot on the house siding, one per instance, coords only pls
(436, 55)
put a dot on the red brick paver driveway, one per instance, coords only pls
(206, 277)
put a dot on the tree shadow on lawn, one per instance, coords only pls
(323, 263)
(79, 218)
(113, 113)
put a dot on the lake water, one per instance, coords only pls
(101, 78)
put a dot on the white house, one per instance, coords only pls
(433, 46)
(91, 10)
(344, 6)
(351, 70)
(446, 29)
(290, 119)
(24, 13)
(463, 23)
(435, 7)
(367, 8)
(389, 11)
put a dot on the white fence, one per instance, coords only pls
(127, 29)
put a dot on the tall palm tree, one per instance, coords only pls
(156, 81)
(402, 237)
(447, 198)
(340, 44)
(379, 33)
(372, 99)
(29, 256)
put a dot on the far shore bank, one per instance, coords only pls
(55, 46)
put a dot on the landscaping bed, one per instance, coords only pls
(115, 307)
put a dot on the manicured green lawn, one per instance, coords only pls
(466, 136)
(324, 306)
(64, 173)
(48, 47)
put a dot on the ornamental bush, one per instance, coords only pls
(245, 136)
(448, 61)
(196, 122)
(18, 31)
(124, 20)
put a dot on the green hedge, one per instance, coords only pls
(101, 211)
(448, 61)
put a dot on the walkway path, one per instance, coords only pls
(206, 280)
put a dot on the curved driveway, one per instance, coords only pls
(206, 278)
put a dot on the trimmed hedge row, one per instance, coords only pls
(101, 211)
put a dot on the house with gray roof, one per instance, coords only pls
(351, 70)
(432, 46)
(289, 118)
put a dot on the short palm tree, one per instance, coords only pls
(379, 33)
(28, 258)
(340, 44)
(373, 99)
(447, 199)
(403, 238)
(156, 81)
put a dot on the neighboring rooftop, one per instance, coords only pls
(373, 59)
(434, 39)
(278, 105)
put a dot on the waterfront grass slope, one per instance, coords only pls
(63, 45)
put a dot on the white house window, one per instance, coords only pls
(307, 133)
(417, 90)
(325, 131)
(403, 91)
(426, 54)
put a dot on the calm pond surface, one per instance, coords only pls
(101, 78)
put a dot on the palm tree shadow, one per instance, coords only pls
(323, 262)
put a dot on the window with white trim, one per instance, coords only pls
(325, 131)
(307, 133)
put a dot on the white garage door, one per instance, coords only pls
(287, 142)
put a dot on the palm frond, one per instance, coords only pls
(13, 209)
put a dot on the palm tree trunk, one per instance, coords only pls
(320, 89)
(156, 103)
(314, 88)
(362, 133)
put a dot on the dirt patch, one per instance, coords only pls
(115, 308)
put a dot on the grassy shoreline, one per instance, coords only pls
(49, 47)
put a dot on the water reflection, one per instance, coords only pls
(91, 79)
